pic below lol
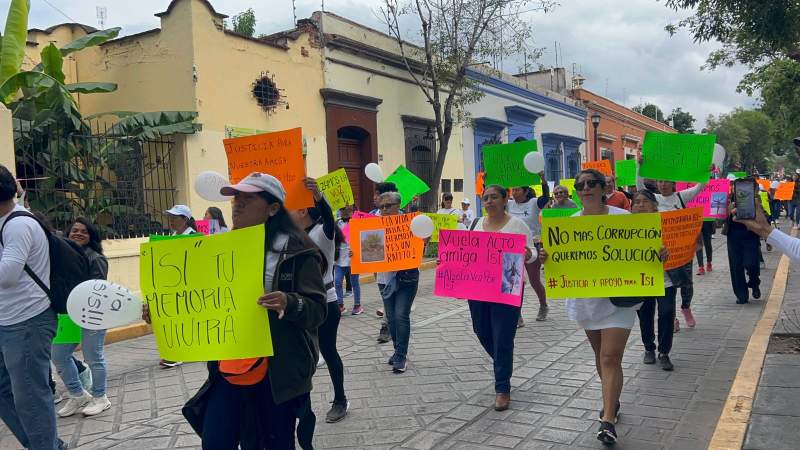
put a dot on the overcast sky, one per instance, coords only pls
(619, 46)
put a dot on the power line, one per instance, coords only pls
(61, 12)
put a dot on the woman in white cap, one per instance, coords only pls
(467, 214)
(255, 403)
(181, 222)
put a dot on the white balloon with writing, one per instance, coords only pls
(101, 304)
(719, 156)
(208, 184)
(374, 172)
(534, 162)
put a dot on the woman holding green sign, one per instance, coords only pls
(606, 325)
(256, 402)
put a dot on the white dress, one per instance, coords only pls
(600, 313)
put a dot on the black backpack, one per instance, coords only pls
(69, 265)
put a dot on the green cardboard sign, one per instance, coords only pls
(559, 212)
(739, 174)
(67, 332)
(625, 172)
(677, 157)
(504, 164)
(167, 237)
(408, 184)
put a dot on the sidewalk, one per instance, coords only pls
(444, 400)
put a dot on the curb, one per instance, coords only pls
(732, 424)
(140, 329)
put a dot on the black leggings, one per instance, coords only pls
(327, 346)
(706, 232)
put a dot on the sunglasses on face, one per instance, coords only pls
(591, 183)
(560, 193)
(388, 205)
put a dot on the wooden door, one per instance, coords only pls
(350, 159)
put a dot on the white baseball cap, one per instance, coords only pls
(256, 182)
(465, 201)
(180, 210)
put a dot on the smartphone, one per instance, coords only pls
(744, 194)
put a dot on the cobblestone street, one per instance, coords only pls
(444, 400)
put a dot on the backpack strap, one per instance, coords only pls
(683, 205)
(474, 223)
(27, 268)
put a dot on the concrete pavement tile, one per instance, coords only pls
(557, 436)
(781, 376)
(769, 432)
(777, 400)
(425, 440)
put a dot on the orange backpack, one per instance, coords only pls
(244, 372)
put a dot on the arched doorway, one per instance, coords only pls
(353, 154)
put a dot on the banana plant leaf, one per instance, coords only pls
(53, 62)
(151, 125)
(91, 87)
(15, 37)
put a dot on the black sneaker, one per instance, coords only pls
(607, 434)
(400, 364)
(664, 362)
(337, 412)
(383, 335)
(649, 357)
(391, 360)
(616, 414)
(756, 293)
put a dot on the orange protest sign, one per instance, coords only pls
(785, 191)
(279, 154)
(480, 179)
(764, 183)
(679, 231)
(603, 166)
(384, 244)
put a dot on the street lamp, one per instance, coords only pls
(595, 123)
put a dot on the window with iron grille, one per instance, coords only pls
(458, 185)
(123, 185)
(446, 185)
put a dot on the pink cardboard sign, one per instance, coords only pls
(356, 215)
(203, 226)
(713, 198)
(483, 266)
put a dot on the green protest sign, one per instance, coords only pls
(558, 212)
(442, 222)
(408, 184)
(504, 164)
(67, 332)
(677, 157)
(626, 172)
(739, 174)
(335, 186)
(167, 237)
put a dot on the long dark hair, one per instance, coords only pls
(95, 240)
(503, 191)
(281, 222)
(446, 197)
(216, 214)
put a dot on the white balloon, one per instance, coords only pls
(534, 253)
(534, 162)
(101, 304)
(731, 176)
(207, 185)
(719, 156)
(374, 172)
(422, 226)
(774, 185)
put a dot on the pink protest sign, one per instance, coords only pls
(361, 215)
(713, 198)
(483, 266)
(203, 226)
(356, 215)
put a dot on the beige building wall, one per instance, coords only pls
(6, 139)
(361, 74)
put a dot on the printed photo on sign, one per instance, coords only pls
(373, 245)
(513, 268)
(719, 204)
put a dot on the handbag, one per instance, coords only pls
(626, 302)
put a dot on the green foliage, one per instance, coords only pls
(681, 120)
(52, 62)
(14, 38)
(91, 87)
(90, 40)
(151, 125)
(244, 23)
(650, 110)
(747, 136)
(751, 31)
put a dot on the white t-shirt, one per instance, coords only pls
(328, 248)
(25, 243)
(467, 216)
(580, 309)
(528, 212)
(670, 202)
(344, 249)
(513, 226)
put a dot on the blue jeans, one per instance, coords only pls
(26, 402)
(397, 301)
(339, 273)
(92, 345)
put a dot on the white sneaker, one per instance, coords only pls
(96, 405)
(86, 379)
(74, 404)
(57, 398)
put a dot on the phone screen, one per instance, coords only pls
(745, 199)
